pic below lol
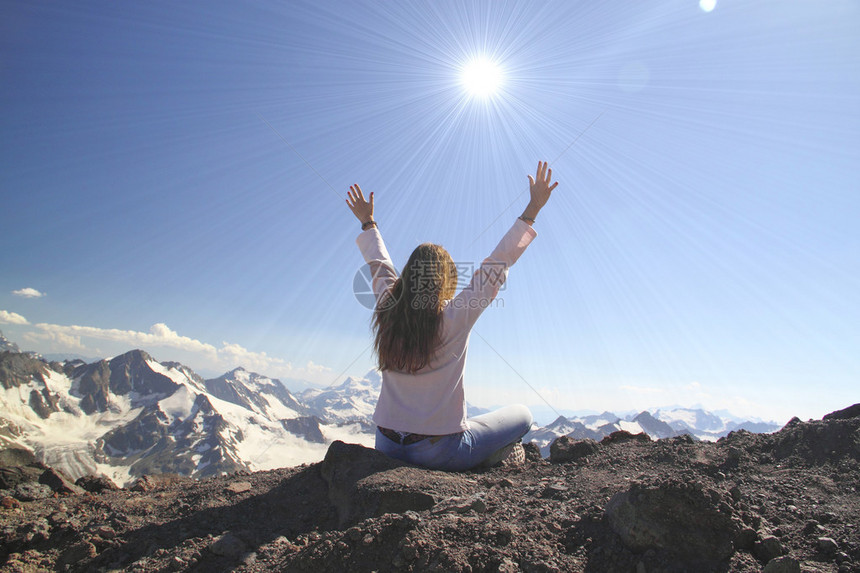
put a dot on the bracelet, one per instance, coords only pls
(526, 219)
(366, 225)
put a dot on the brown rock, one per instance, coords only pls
(682, 519)
(77, 553)
(9, 502)
(59, 482)
(565, 449)
(624, 436)
(461, 505)
(364, 483)
(18, 466)
(533, 453)
(227, 545)
(784, 564)
(844, 414)
(768, 548)
(149, 483)
(96, 484)
(238, 487)
(827, 545)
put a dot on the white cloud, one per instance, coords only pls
(159, 335)
(235, 355)
(7, 317)
(28, 292)
(311, 367)
(58, 340)
(230, 355)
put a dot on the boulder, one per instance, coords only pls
(784, 564)
(624, 436)
(769, 548)
(152, 482)
(96, 484)
(363, 483)
(691, 524)
(845, 413)
(565, 449)
(18, 466)
(227, 545)
(32, 490)
(533, 452)
(59, 482)
(817, 442)
(76, 553)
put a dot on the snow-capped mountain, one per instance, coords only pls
(543, 436)
(7, 345)
(260, 394)
(710, 426)
(133, 415)
(666, 423)
(352, 401)
(656, 428)
(594, 427)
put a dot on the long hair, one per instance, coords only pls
(407, 319)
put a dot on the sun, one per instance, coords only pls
(481, 77)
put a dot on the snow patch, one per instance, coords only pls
(179, 404)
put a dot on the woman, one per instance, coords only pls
(421, 338)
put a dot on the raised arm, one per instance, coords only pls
(491, 275)
(540, 190)
(370, 242)
(363, 210)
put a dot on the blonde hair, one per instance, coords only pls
(408, 317)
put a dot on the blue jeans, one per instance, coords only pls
(487, 435)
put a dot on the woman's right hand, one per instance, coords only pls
(361, 208)
(540, 187)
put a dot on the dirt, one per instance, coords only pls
(775, 502)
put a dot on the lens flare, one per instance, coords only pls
(481, 77)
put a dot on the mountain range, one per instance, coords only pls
(661, 423)
(131, 415)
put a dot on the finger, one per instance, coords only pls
(360, 194)
(531, 180)
(537, 173)
(553, 186)
(371, 200)
(549, 175)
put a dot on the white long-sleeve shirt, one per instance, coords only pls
(432, 401)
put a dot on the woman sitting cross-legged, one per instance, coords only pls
(421, 337)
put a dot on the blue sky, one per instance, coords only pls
(173, 178)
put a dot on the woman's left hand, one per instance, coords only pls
(363, 210)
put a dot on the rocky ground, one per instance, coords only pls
(782, 502)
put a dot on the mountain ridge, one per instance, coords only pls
(131, 415)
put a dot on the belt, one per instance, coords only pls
(405, 439)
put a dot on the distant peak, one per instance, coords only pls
(133, 355)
